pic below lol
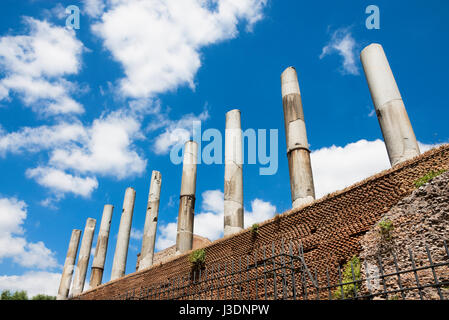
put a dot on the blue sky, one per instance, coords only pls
(86, 113)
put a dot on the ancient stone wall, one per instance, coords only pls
(330, 229)
(415, 228)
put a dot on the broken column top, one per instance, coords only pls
(190, 152)
(379, 75)
(90, 223)
(188, 181)
(233, 119)
(233, 111)
(289, 80)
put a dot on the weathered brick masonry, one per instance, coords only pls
(330, 229)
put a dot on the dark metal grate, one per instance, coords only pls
(280, 272)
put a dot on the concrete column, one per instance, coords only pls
(83, 259)
(149, 231)
(233, 187)
(394, 122)
(69, 265)
(298, 153)
(184, 236)
(101, 248)
(124, 232)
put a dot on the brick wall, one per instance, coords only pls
(330, 229)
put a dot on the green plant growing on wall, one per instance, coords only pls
(385, 228)
(255, 228)
(346, 291)
(198, 259)
(428, 177)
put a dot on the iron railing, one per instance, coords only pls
(281, 272)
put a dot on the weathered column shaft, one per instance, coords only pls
(83, 259)
(184, 236)
(96, 275)
(233, 186)
(69, 266)
(124, 232)
(394, 122)
(298, 153)
(150, 228)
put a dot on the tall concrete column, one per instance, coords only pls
(394, 122)
(150, 228)
(298, 153)
(69, 266)
(124, 232)
(184, 236)
(101, 248)
(83, 259)
(233, 187)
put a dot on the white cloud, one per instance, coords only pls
(35, 67)
(57, 11)
(335, 168)
(209, 222)
(167, 235)
(104, 148)
(40, 138)
(94, 8)
(108, 150)
(35, 282)
(158, 42)
(136, 234)
(13, 244)
(13, 213)
(176, 132)
(61, 182)
(260, 211)
(343, 43)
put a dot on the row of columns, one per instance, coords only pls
(396, 128)
(184, 240)
(121, 250)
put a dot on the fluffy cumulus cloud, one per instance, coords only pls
(93, 8)
(62, 182)
(335, 168)
(260, 211)
(13, 244)
(343, 44)
(209, 222)
(33, 282)
(108, 151)
(35, 67)
(77, 153)
(136, 234)
(176, 131)
(158, 42)
(36, 139)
